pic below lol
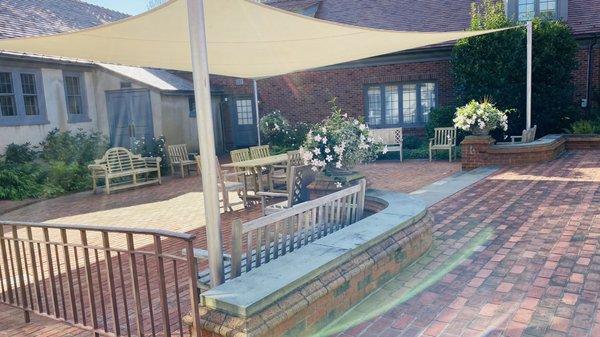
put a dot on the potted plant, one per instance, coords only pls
(339, 143)
(480, 118)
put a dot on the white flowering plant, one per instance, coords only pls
(339, 143)
(480, 118)
(278, 132)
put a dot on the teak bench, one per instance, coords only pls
(129, 169)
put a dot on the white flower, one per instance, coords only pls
(329, 158)
(277, 127)
(338, 184)
(324, 140)
(362, 127)
(327, 150)
(338, 164)
(318, 138)
(324, 129)
(355, 122)
(345, 115)
(314, 168)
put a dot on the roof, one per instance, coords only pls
(19, 18)
(425, 15)
(156, 78)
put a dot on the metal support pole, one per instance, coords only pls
(257, 112)
(529, 71)
(206, 138)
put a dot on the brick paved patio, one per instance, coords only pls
(515, 254)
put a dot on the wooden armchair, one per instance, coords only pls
(243, 155)
(228, 182)
(179, 156)
(299, 178)
(527, 136)
(280, 173)
(444, 139)
(260, 151)
(392, 138)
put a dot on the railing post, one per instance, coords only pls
(89, 279)
(6, 267)
(111, 282)
(161, 285)
(21, 273)
(236, 249)
(361, 198)
(63, 235)
(194, 293)
(135, 284)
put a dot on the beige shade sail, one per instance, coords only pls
(245, 39)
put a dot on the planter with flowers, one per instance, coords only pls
(481, 118)
(335, 146)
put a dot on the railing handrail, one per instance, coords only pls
(97, 228)
(299, 208)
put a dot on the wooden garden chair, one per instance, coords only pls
(228, 182)
(297, 190)
(280, 174)
(262, 151)
(527, 136)
(444, 139)
(180, 157)
(391, 137)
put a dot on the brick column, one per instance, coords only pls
(474, 151)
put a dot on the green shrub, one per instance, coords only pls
(585, 127)
(152, 148)
(279, 133)
(412, 142)
(63, 177)
(19, 181)
(442, 117)
(80, 147)
(19, 153)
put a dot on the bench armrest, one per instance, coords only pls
(152, 160)
(271, 194)
(97, 167)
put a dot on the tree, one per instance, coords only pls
(494, 66)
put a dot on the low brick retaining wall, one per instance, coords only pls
(337, 286)
(483, 151)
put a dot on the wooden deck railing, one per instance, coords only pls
(267, 238)
(112, 281)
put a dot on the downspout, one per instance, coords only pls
(590, 73)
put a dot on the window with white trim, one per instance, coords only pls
(8, 105)
(406, 104)
(244, 112)
(21, 97)
(74, 84)
(30, 95)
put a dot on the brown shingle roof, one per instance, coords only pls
(20, 18)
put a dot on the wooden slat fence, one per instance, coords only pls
(111, 281)
(264, 239)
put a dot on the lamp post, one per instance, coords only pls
(256, 109)
(206, 138)
(529, 72)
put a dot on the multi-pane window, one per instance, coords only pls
(30, 97)
(392, 113)
(374, 105)
(8, 105)
(399, 104)
(548, 7)
(409, 103)
(244, 111)
(74, 95)
(526, 10)
(427, 100)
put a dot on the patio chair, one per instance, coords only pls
(527, 136)
(239, 156)
(297, 190)
(281, 173)
(391, 137)
(444, 139)
(179, 156)
(227, 185)
(260, 151)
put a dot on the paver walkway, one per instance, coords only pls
(514, 255)
(176, 205)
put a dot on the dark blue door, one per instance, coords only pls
(244, 121)
(129, 116)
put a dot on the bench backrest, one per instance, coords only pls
(177, 153)
(392, 136)
(119, 159)
(260, 151)
(444, 136)
(299, 177)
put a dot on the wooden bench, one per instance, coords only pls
(179, 156)
(129, 169)
(392, 138)
(443, 139)
(527, 136)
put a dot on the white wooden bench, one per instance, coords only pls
(527, 136)
(392, 138)
(128, 169)
(443, 139)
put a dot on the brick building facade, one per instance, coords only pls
(304, 96)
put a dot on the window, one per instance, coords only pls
(30, 98)
(244, 112)
(21, 97)
(528, 9)
(74, 97)
(8, 105)
(400, 104)
(192, 106)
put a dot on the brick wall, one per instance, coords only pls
(580, 75)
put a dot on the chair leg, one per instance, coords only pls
(430, 154)
(226, 206)
(401, 159)
(106, 185)
(182, 171)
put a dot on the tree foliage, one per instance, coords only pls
(494, 66)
